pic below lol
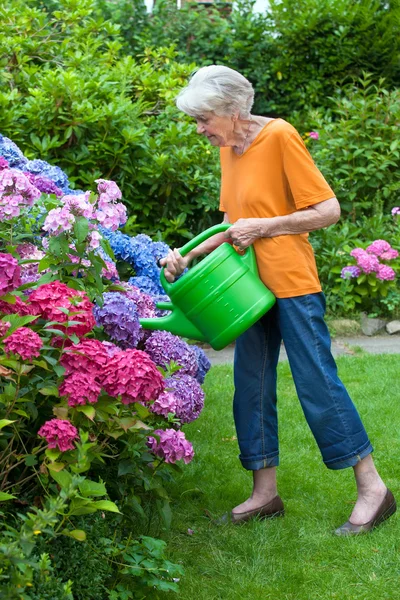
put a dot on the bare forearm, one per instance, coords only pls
(298, 222)
(207, 246)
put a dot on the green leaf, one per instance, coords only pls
(52, 454)
(30, 460)
(49, 391)
(105, 505)
(81, 229)
(91, 488)
(63, 478)
(77, 534)
(59, 369)
(4, 496)
(5, 422)
(87, 410)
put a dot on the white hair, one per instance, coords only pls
(216, 89)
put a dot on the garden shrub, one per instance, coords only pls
(358, 149)
(91, 405)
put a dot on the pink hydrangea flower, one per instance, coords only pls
(10, 273)
(389, 254)
(385, 273)
(110, 271)
(47, 300)
(165, 403)
(89, 356)
(79, 205)
(29, 271)
(378, 247)
(133, 376)
(16, 191)
(368, 263)
(25, 342)
(112, 216)
(80, 388)
(58, 221)
(18, 308)
(173, 446)
(314, 135)
(59, 433)
(94, 240)
(396, 211)
(108, 191)
(358, 252)
(4, 327)
(3, 163)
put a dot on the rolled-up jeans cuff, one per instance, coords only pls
(351, 460)
(255, 463)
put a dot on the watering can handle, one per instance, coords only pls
(248, 256)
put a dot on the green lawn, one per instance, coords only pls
(295, 557)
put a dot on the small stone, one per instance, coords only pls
(393, 327)
(371, 326)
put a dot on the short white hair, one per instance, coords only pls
(217, 89)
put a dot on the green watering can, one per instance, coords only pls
(217, 299)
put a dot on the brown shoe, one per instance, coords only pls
(386, 510)
(274, 508)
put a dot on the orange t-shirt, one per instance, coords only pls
(276, 176)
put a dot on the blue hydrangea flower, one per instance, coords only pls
(41, 167)
(10, 151)
(147, 285)
(203, 364)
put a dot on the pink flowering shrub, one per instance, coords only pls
(16, 191)
(80, 388)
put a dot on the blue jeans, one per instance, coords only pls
(329, 411)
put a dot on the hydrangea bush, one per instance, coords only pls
(370, 279)
(84, 390)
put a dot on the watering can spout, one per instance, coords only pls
(175, 323)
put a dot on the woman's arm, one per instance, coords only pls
(245, 231)
(175, 264)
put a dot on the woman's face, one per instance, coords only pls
(218, 129)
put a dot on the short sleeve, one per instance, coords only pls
(307, 184)
(221, 206)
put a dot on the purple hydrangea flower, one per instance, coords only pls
(203, 364)
(172, 446)
(44, 184)
(161, 298)
(163, 346)
(119, 318)
(144, 303)
(189, 396)
(350, 271)
(166, 403)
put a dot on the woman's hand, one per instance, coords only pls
(244, 232)
(174, 264)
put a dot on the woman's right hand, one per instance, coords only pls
(174, 264)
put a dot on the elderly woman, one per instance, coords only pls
(273, 195)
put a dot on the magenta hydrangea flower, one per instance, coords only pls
(89, 356)
(3, 163)
(378, 247)
(350, 271)
(10, 273)
(164, 404)
(48, 298)
(132, 375)
(18, 308)
(368, 263)
(314, 135)
(59, 434)
(385, 273)
(25, 342)
(164, 347)
(80, 388)
(189, 395)
(172, 446)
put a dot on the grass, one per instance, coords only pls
(295, 557)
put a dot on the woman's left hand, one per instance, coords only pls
(244, 232)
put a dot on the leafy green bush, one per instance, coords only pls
(68, 94)
(358, 149)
